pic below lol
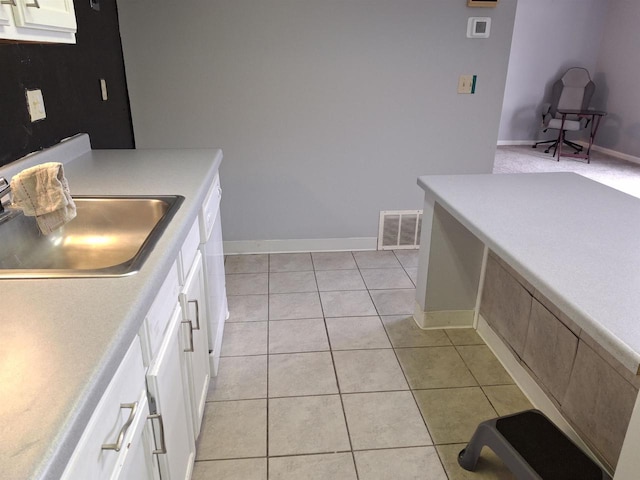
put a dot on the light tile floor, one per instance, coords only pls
(325, 375)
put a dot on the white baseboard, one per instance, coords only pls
(442, 319)
(502, 143)
(596, 148)
(236, 247)
(613, 153)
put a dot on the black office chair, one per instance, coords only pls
(571, 92)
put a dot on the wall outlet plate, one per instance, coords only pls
(35, 105)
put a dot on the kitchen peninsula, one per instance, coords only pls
(547, 268)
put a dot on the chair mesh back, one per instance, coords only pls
(573, 91)
(571, 98)
(575, 82)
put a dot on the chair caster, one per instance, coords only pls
(534, 146)
(546, 151)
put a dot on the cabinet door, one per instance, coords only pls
(56, 15)
(194, 318)
(168, 386)
(5, 14)
(216, 291)
(137, 462)
(108, 433)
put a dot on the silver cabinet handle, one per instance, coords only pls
(190, 349)
(123, 431)
(163, 446)
(35, 4)
(9, 2)
(197, 327)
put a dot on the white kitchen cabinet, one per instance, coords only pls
(158, 316)
(5, 14)
(158, 394)
(45, 14)
(214, 275)
(138, 462)
(194, 318)
(38, 21)
(109, 435)
(168, 388)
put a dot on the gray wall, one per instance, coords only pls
(549, 37)
(327, 110)
(617, 73)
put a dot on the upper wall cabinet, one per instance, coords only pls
(51, 21)
(5, 15)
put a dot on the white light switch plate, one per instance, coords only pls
(35, 104)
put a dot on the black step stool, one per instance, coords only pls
(532, 447)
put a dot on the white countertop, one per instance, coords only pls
(61, 340)
(575, 240)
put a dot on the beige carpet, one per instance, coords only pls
(616, 173)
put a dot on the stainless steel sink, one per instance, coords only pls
(110, 237)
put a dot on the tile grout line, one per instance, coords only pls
(413, 395)
(475, 378)
(405, 269)
(335, 372)
(268, 357)
(411, 390)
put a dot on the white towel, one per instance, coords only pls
(43, 192)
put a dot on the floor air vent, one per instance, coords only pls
(399, 229)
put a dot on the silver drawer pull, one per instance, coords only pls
(163, 446)
(35, 4)
(197, 327)
(190, 349)
(123, 431)
(9, 2)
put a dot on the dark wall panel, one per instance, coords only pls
(69, 77)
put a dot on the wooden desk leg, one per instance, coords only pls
(561, 136)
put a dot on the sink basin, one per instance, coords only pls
(110, 237)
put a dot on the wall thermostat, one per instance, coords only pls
(478, 27)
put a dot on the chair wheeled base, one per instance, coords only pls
(554, 144)
(532, 448)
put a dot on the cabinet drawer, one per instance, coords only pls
(210, 209)
(188, 251)
(120, 405)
